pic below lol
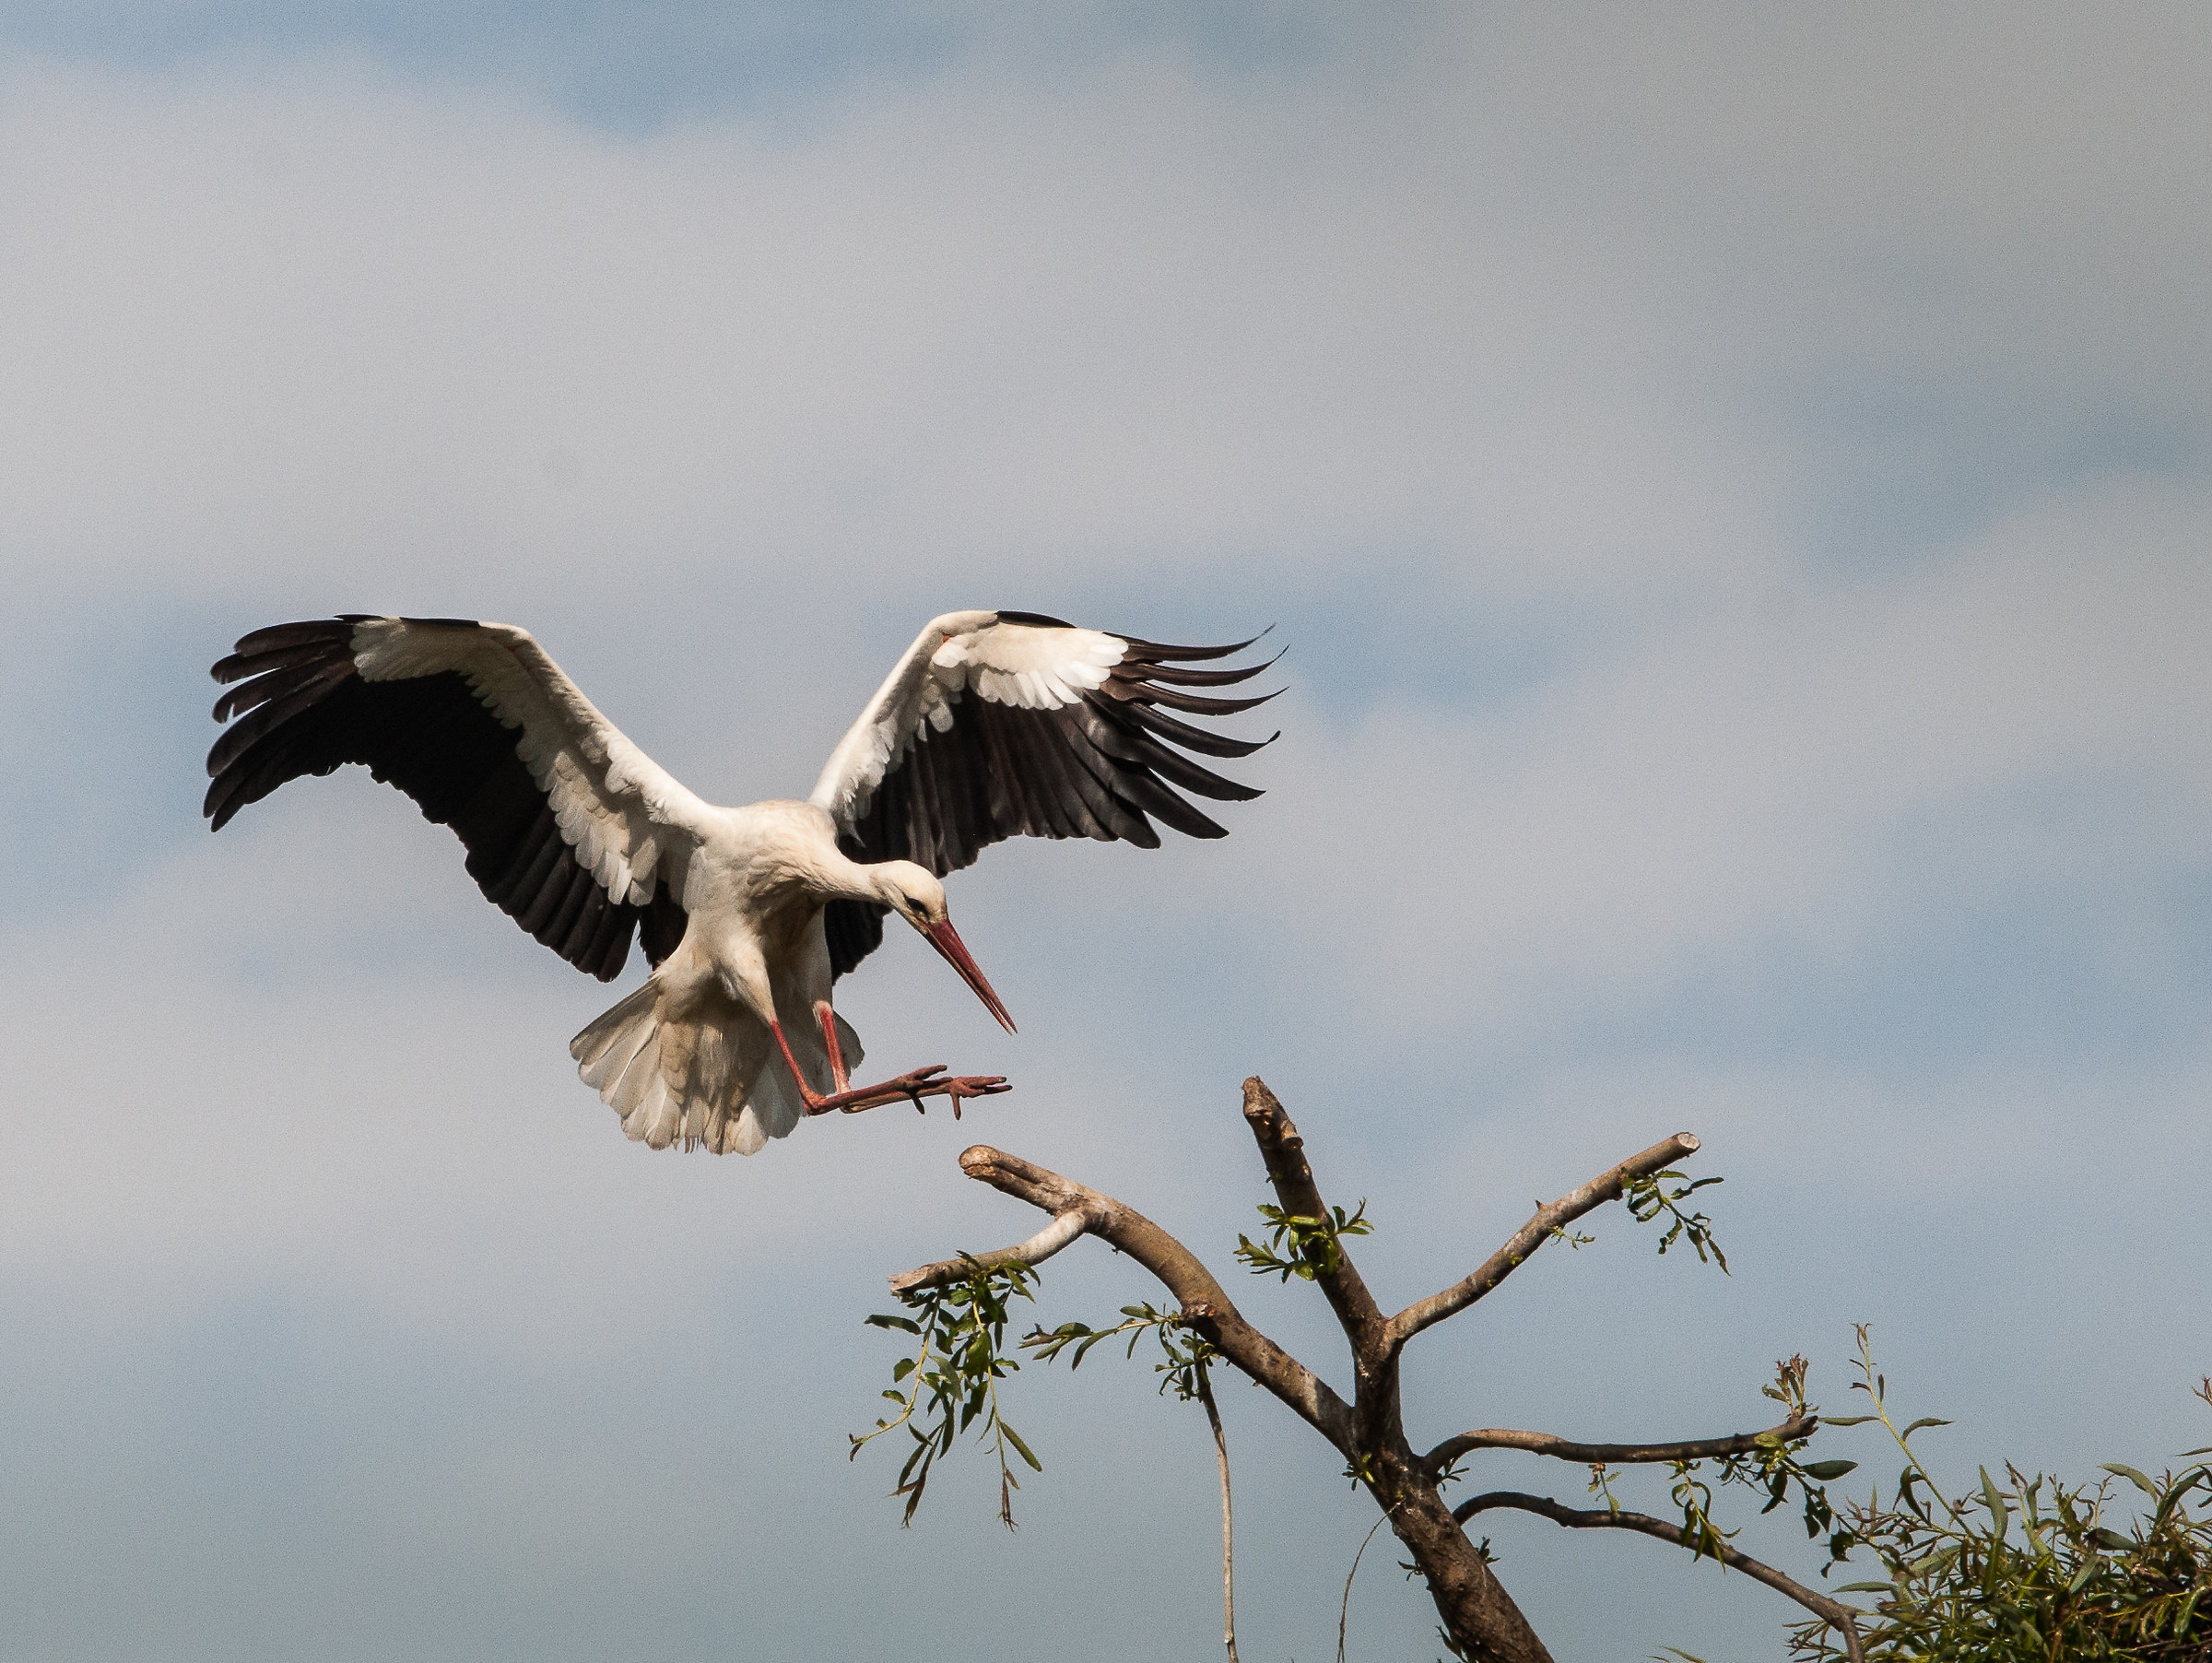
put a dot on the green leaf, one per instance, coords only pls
(1014, 1438)
(1862, 1587)
(2181, 1621)
(2133, 1476)
(1999, 1515)
(2172, 1499)
(1825, 1471)
(1923, 1420)
(880, 1321)
(1849, 1421)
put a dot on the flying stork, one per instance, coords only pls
(992, 725)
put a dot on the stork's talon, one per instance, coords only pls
(973, 1085)
(913, 1086)
(956, 1088)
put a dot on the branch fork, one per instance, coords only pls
(1479, 1614)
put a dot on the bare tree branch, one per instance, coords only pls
(1608, 1185)
(1285, 1154)
(1204, 1305)
(1842, 1618)
(1618, 1454)
(1035, 1251)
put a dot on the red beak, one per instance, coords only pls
(946, 940)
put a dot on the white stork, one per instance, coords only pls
(992, 725)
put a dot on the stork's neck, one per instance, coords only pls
(835, 877)
(842, 880)
(800, 840)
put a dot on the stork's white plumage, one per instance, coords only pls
(992, 725)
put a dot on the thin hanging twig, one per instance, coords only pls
(1229, 1560)
(1344, 1612)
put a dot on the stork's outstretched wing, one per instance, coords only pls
(570, 829)
(999, 724)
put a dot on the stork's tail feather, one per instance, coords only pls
(698, 1070)
(619, 1057)
(605, 1048)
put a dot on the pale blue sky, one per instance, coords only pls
(1733, 491)
(636, 68)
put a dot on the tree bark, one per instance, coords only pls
(1477, 1612)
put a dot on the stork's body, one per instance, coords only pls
(759, 882)
(748, 915)
(754, 963)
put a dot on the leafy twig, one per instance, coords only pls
(1314, 1242)
(954, 1375)
(2025, 1569)
(1649, 1198)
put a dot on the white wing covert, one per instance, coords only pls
(998, 725)
(570, 829)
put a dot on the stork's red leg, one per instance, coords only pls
(912, 1087)
(836, 1056)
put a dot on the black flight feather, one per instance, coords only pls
(301, 708)
(1101, 767)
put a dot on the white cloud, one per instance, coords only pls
(326, 324)
(1806, 765)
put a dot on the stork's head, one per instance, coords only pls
(916, 896)
(910, 891)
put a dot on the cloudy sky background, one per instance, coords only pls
(1733, 484)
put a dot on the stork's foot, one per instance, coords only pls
(912, 1087)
